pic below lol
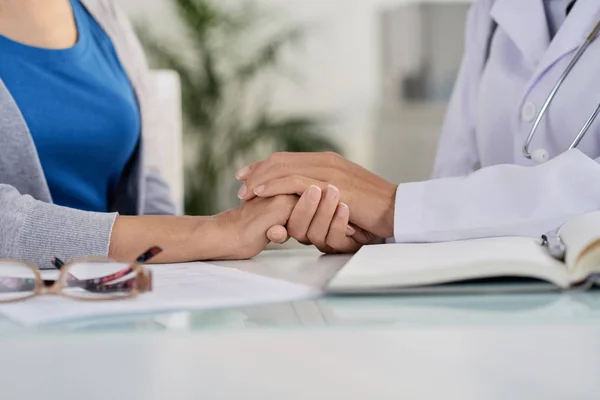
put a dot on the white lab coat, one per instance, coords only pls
(490, 114)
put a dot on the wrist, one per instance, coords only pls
(387, 216)
(182, 239)
(212, 238)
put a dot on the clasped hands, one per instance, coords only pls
(320, 199)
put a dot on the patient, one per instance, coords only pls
(74, 119)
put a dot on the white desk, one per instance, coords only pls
(377, 363)
(468, 347)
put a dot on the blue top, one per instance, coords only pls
(80, 109)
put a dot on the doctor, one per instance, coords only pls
(484, 184)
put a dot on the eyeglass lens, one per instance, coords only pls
(17, 281)
(98, 279)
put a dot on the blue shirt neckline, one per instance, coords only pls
(81, 112)
(46, 55)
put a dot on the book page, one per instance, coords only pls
(410, 265)
(176, 287)
(581, 236)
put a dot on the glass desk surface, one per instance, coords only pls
(310, 268)
(541, 346)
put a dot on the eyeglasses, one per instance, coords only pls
(86, 279)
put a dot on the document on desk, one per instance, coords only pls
(190, 286)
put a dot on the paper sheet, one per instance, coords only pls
(176, 287)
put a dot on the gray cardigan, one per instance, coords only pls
(31, 227)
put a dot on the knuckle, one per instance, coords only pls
(289, 203)
(281, 206)
(315, 238)
(296, 232)
(298, 235)
(297, 180)
(335, 243)
(290, 200)
(329, 250)
(337, 175)
(271, 161)
(332, 157)
(323, 249)
(277, 157)
(278, 200)
(283, 200)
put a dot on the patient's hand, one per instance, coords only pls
(251, 226)
(320, 218)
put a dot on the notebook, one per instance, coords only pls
(501, 264)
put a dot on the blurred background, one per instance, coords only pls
(368, 78)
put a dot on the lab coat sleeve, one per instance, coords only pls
(457, 148)
(500, 200)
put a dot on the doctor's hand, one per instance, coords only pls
(370, 198)
(247, 229)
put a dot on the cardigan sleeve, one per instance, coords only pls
(34, 231)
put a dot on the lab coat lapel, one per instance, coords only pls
(580, 22)
(524, 21)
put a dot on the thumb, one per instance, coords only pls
(278, 234)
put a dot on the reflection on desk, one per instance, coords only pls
(309, 267)
(357, 312)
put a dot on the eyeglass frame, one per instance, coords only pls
(142, 278)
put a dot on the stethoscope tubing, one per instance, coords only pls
(580, 51)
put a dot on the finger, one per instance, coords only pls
(304, 213)
(245, 171)
(294, 184)
(324, 248)
(281, 165)
(363, 237)
(277, 234)
(319, 226)
(336, 238)
(350, 230)
(305, 209)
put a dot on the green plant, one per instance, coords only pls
(226, 58)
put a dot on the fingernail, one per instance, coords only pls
(332, 192)
(343, 210)
(350, 231)
(259, 190)
(314, 193)
(242, 192)
(243, 173)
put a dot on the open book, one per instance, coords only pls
(480, 265)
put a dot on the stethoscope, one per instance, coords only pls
(542, 155)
